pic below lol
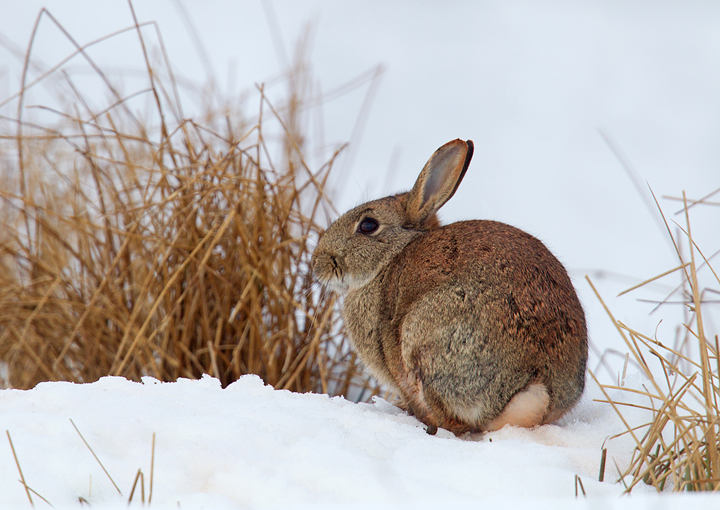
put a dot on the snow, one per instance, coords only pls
(249, 445)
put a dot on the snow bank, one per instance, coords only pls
(251, 446)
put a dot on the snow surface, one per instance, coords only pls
(249, 445)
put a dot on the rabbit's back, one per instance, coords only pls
(477, 311)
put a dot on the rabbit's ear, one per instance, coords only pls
(439, 179)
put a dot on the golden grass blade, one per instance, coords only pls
(40, 496)
(152, 469)
(139, 476)
(703, 200)
(645, 282)
(17, 463)
(94, 455)
(578, 481)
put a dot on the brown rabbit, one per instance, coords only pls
(476, 324)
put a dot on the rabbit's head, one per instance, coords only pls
(365, 239)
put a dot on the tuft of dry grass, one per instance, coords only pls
(154, 245)
(680, 447)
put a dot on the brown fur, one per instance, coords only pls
(459, 318)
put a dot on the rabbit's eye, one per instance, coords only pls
(368, 226)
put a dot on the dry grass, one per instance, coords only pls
(151, 245)
(680, 447)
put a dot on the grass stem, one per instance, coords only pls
(17, 463)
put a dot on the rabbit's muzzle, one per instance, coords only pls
(329, 270)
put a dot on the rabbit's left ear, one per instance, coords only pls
(439, 179)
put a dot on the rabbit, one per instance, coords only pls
(475, 324)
